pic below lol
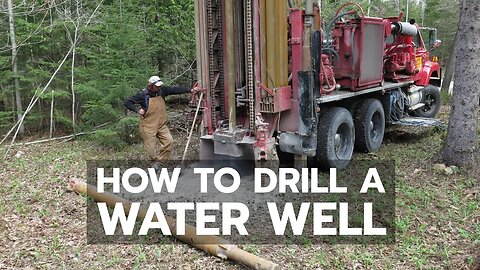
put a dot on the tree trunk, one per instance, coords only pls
(16, 83)
(51, 114)
(447, 78)
(406, 15)
(73, 76)
(422, 10)
(461, 147)
(76, 20)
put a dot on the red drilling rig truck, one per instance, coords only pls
(276, 79)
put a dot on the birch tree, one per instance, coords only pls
(14, 49)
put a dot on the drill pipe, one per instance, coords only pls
(198, 52)
(282, 40)
(263, 44)
(222, 249)
(230, 63)
(309, 7)
(271, 22)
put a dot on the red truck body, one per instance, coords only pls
(272, 74)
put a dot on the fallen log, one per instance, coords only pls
(67, 137)
(222, 248)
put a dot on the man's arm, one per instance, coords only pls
(174, 90)
(130, 102)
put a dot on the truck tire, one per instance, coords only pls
(369, 119)
(432, 103)
(335, 138)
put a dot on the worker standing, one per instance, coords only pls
(153, 113)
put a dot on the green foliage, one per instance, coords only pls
(32, 121)
(97, 113)
(119, 134)
(62, 121)
(109, 138)
(443, 15)
(6, 120)
(125, 43)
(127, 129)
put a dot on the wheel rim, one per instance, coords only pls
(430, 103)
(341, 141)
(375, 126)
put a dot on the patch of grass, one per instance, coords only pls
(470, 260)
(139, 259)
(422, 227)
(470, 209)
(193, 257)
(465, 234)
(320, 258)
(113, 260)
(251, 249)
(306, 242)
(419, 250)
(3, 209)
(477, 233)
(43, 212)
(169, 248)
(290, 252)
(338, 263)
(457, 196)
(15, 185)
(445, 97)
(365, 258)
(54, 245)
(21, 208)
(465, 183)
(446, 253)
(402, 224)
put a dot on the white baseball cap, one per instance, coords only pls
(155, 80)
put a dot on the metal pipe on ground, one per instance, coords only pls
(221, 248)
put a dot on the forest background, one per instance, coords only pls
(102, 51)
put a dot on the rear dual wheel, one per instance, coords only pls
(335, 138)
(369, 119)
(338, 133)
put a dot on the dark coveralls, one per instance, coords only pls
(153, 125)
